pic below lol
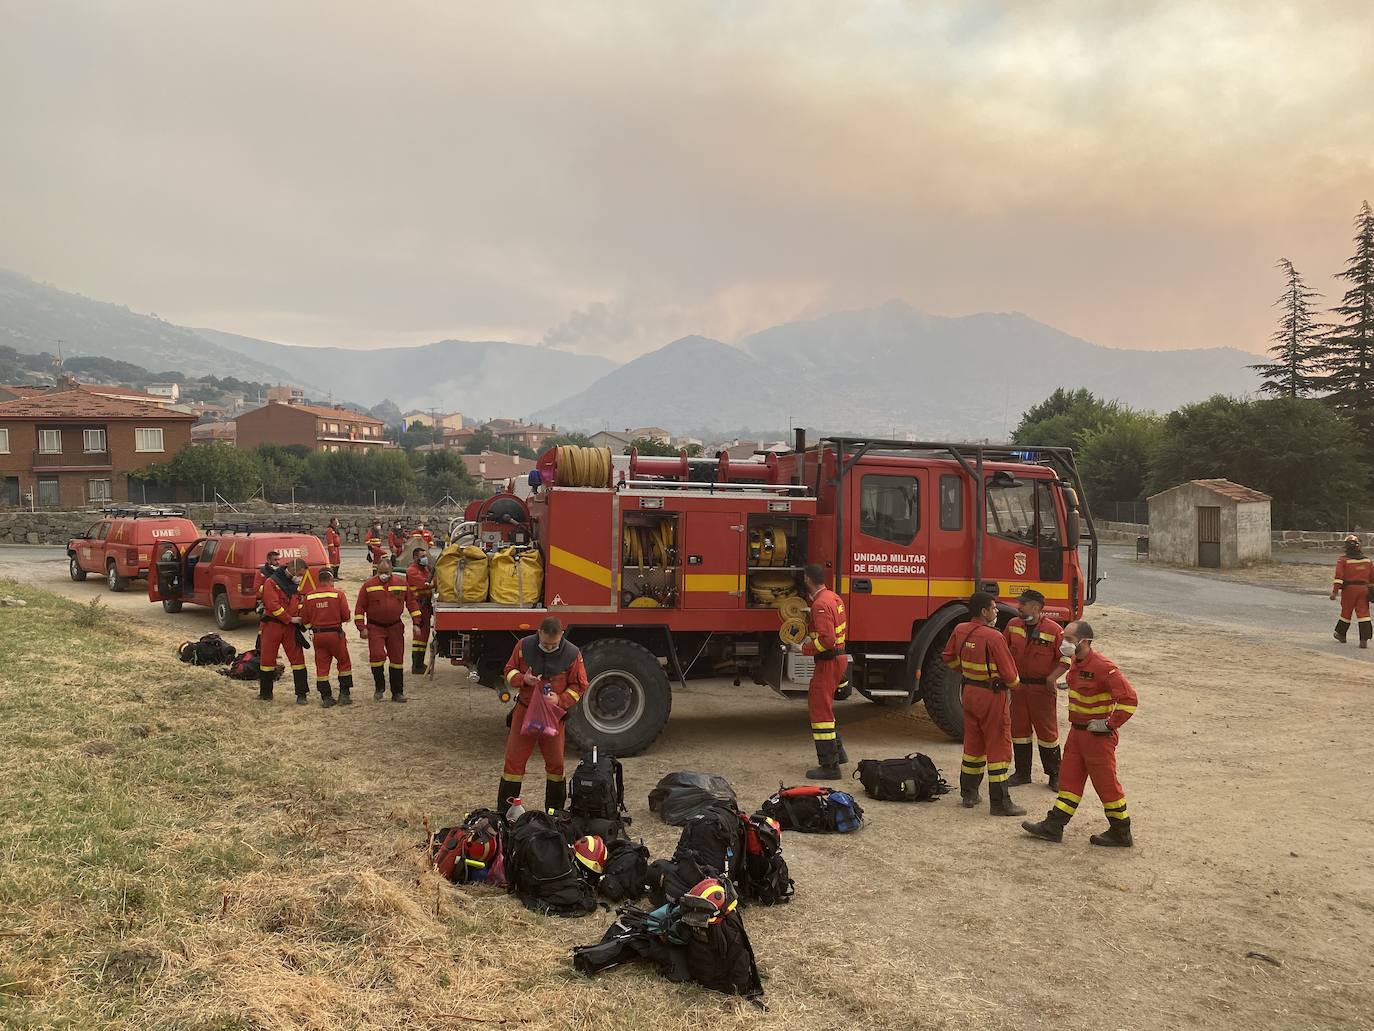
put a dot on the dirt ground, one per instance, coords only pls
(1248, 901)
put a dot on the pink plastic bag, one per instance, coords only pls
(543, 717)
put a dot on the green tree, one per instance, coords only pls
(209, 469)
(442, 473)
(1297, 450)
(351, 477)
(651, 446)
(1297, 347)
(419, 433)
(569, 439)
(1114, 457)
(1060, 419)
(482, 440)
(279, 469)
(1348, 347)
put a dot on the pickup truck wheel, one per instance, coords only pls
(226, 616)
(941, 689)
(112, 577)
(78, 574)
(627, 702)
(171, 604)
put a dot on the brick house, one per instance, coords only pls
(72, 448)
(314, 426)
(494, 470)
(531, 435)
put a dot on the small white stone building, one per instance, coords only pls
(1215, 524)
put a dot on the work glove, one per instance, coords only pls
(1333, 595)
(795, 649)
(1098, 727)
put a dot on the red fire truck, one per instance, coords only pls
(678, 567)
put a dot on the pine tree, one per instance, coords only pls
(1298, 343)
(1348, 347)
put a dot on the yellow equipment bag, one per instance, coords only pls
(517, 576)
(460, 575)
(767, 546)
(771, 588)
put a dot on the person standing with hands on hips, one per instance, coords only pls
(544, 661)
(1101, 700)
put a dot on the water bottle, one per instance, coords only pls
(516, 810)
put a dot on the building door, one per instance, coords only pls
(1209, 536)
(9, 491)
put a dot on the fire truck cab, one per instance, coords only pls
(675, 568)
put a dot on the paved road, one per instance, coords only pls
(1304, 620)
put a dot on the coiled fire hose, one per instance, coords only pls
(584, 466)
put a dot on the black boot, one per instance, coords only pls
(326, 695)
(378, 683)
(398, 684)
(844, 756)
(843, 690)
(265, 678)
(345, 688)
(828, 755)
(968, 789)
(555, 794)
(1117, 835)
(1366, 631)
(302, 681)
(417, 659)
(1049, 759)
(999, 801)
(506, 793)
(1342, 626)
(1022, 754)
(1051, 828)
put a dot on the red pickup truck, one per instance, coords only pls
(120, 547)
(219, 570)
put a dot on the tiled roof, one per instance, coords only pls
(1227, 489)
(82, 404)
(19, 392)
(498, 467)
(337, 413)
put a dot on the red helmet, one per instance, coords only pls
(591, 853)
(707, 903)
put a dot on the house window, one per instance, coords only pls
(4, 442)
(98, 490)
(94, 440)
(148, 438)
(333, 427)
(50, 443)
(48, 494)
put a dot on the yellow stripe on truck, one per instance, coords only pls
(916, 587)
(714, 583)
(579, 566)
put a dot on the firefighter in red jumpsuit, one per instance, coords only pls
(424, 534)
(382, 600)
(375, 544)
(543, 658)
(1354, 575)
(1100, 701)
(978, 652)
(396, 540)
(280, 621)
(1033, 640)
(324, 611)
(333, 542)
(420, 579)
(825, 640)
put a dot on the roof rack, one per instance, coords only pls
(245, 527)
(145, 512)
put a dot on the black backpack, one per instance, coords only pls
(813, 809)
(913, 779)
(714, 837)
(540, 871)
(246, 667)
(670, 879)
(721, 957)
(626, 874)
(598, 788)
(766, 878)
(210, 650)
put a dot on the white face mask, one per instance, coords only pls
(424, 561)
(549, 649)
(383, 576)
(1067, 649)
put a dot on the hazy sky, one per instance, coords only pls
(610, 176)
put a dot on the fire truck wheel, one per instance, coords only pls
(940, 689)
(114, 579)
(627, 702)
(78, 574)
(226, 616)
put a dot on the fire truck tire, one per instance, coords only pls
(941, 689)
(226, 616)
(114, 579)
(78, 574)
(627, 702)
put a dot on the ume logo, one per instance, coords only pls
(1018, 563)
(291, 552)
(167, 533)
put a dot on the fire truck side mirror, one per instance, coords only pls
(1073, 529)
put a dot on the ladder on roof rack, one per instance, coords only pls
(144, 512)
(251, 528)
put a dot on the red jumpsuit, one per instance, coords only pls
(1353, 577)
(425, 535)
(981, 656)
(419, 581)
(381, 604)
(374, 544)
(825, 639)
(278, 631)
(325, 611)
(1034, 704)
(564, 671)
(1097, 690)
(396, 540)
(332, 545)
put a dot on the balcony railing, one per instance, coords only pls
(71, 460)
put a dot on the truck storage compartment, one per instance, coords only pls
(649, 560)
(776, 555)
